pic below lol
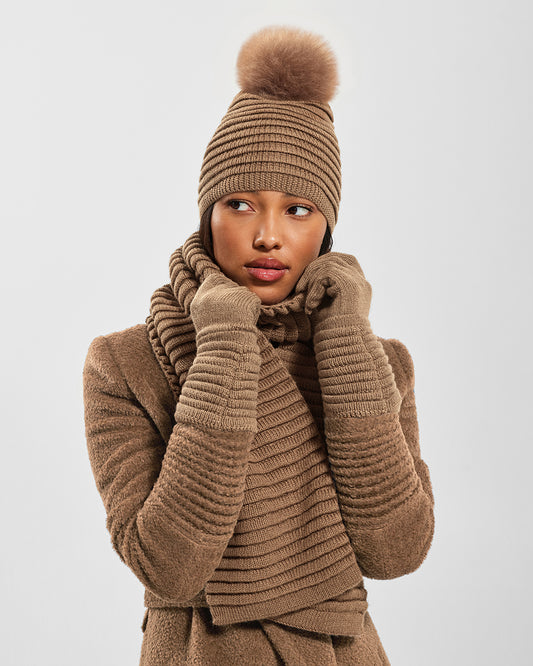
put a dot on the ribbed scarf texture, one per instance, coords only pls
(289, 559)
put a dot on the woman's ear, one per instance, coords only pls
(327, 242)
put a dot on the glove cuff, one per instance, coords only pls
(221, 388)
(355, 375)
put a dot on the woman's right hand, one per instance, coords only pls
(220, 300)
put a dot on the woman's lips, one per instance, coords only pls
(266, 274)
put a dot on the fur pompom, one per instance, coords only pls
(288, 64)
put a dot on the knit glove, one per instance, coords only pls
(221, 388)
(221, 301)
(338, 280)
(355, 376)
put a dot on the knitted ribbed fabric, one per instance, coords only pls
(251, 470)
(230, 506)
(289, 556)
(272, 144)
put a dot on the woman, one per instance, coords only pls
(255, 444)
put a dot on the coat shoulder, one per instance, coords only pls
(401, 362)
(122, 350)
(131, 345)
(127, 356)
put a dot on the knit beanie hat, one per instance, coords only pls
(278, 131)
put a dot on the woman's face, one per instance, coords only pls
(249, 226)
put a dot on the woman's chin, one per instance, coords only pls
(274, 298)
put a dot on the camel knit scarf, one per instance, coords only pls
(289, 559)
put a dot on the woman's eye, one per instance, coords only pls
(235, 203)
(301, 208)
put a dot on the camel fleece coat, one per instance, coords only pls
(241, 488)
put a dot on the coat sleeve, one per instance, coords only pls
(171, 506)
(383, 484)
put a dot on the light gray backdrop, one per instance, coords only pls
(106, 110)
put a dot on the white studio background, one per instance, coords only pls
(106, 110)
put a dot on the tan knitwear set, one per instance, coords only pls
(253, 474)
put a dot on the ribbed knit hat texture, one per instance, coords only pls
(278, 132)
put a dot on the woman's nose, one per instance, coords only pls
(269, 228)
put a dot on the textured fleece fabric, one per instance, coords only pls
(241, 488)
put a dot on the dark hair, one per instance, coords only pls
(207, 238)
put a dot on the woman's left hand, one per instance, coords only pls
(337, 279)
